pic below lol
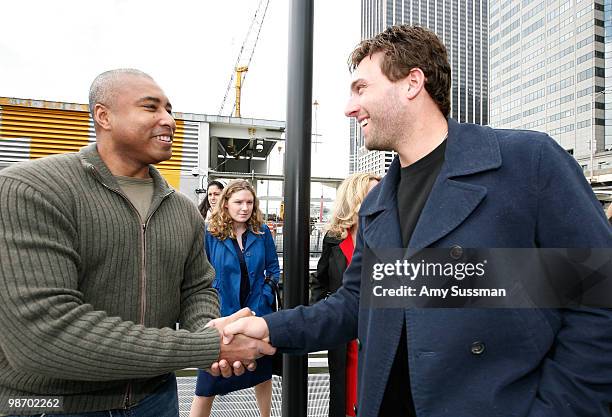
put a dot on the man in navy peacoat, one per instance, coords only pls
(495, 189)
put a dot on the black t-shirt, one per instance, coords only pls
(414, 187)
(413, 190)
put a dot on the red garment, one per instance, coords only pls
(348, 247)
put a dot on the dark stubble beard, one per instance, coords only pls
(389, 122)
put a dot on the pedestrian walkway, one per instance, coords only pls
(242, 403)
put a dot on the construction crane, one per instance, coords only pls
(244, 57)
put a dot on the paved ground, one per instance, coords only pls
(242, 403)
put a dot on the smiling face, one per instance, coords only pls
(239, 206)
(137, 122)
(213, 195)
(375, 103)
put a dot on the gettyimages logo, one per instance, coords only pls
(413, 270)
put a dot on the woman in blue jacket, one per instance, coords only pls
(241, 249)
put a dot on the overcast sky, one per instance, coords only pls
(52, 50)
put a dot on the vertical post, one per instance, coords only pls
(297, 192)
(593, 143)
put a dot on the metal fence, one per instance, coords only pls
(316, 237)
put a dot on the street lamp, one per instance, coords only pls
(593, 129)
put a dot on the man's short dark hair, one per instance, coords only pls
(102, 88)
(406, 47)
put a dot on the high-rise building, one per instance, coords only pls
(548, 62)
(463, 27)
(608, 71)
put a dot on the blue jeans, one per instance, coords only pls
(162, 403)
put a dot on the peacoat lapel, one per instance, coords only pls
(470, 149)
(380, 223)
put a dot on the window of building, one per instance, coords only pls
(533, 110)
(561, 130)
(537, 9)
(584, 26)
(583, 108)
(559, 101)
(534, 81)
(584, 75)
(584, 42)
(584, 57)
(560, 68)
(535, 41)
(533, 124)
(560, 54)
(533, 27)
(560, 115)
(553, 43)
(561, 84)
(583, 124)
(534, 68)
(584, 10)
(533, 96)
(584, 92)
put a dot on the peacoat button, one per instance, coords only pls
(358, 344)
(248, 254)
(456, 252)
(477, 348)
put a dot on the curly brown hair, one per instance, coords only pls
(221, 224)
(405, 48)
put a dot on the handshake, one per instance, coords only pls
(244, 338)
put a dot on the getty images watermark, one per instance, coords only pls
(486, 278)
(410, 271)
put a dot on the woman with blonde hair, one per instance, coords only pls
(241, 249)
(338, 246)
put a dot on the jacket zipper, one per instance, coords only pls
(126, 400)
(143, 276)
(143, 273)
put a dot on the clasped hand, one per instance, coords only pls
(244, 338)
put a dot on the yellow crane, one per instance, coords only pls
(239, 71)
(247, 49)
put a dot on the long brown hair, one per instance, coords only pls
(221, 224)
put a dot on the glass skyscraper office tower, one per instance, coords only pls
(550, 62)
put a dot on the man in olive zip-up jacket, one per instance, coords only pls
(92, 283)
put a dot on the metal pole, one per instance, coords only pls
(593, 143)
(297, 192)
(594, 129)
